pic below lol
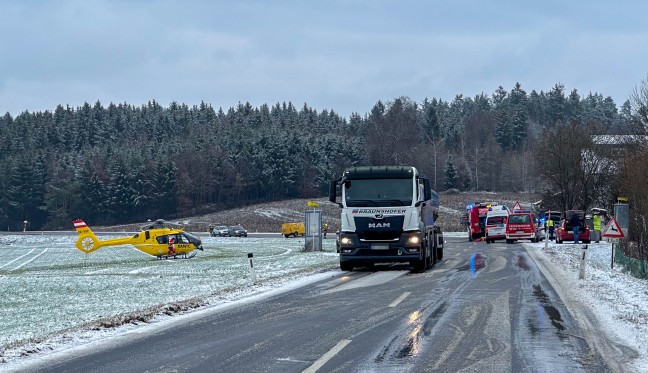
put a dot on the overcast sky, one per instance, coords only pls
(339, 55)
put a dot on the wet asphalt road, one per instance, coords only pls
(484, 308)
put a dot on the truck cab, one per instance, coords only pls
(388, 215)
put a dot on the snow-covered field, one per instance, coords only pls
(50, 289)
(53, 294)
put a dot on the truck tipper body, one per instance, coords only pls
(388, 215)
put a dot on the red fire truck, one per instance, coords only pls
(476, 216)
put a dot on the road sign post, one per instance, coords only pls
(612, 233)
(612, 229)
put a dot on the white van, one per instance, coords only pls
(496, 220)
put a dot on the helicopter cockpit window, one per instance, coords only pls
(191, 238)
(163, 239)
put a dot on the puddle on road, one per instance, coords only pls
(522, 263)
(546, 309)
(477, 262)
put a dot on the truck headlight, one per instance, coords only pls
(413, 240)
(345, 241)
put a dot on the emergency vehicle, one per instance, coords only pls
(496, 220)
(476, 216)
(522, 225)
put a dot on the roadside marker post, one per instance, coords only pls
(252, 272)
(581, 272)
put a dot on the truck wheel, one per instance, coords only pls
(421, 265)
(509, 241)
(418, 266)
(346, 266)
(439, 253)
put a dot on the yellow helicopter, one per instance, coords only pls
(156, 239)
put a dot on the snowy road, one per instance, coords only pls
(484, 308)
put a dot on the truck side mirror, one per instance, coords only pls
(333, 192)
(427, 191)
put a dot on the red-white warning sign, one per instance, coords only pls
(517, 206)
(612, 229)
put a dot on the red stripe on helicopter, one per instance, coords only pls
(79, 224)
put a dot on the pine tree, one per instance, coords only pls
(452, 180)
(503, 129)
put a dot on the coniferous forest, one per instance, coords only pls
(121, 163)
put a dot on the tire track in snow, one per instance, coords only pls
(30, 260)
(18, 258)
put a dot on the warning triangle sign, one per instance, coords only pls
(612, 229)
(517, 206)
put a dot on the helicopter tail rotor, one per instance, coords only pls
(87, 241)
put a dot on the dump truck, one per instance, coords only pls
(389, 214)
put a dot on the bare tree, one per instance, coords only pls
(631, 182)
(576, 171)
(639, 105)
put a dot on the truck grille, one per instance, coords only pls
(389, 228)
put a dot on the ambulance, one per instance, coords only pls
(495, 225)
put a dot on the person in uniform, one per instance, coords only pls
(550, 227)
(597, 227)
(171, 246)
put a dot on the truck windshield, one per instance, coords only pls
(378, 192)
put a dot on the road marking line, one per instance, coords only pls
(327, 356)
(400, 299)
(32, 259)
(22, 256)
(376, 278)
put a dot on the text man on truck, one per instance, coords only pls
(388, 215)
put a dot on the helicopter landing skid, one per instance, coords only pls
(176, 256)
